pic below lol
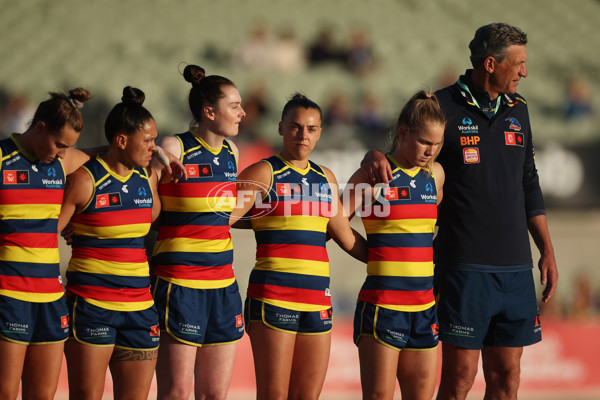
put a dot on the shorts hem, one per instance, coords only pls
(189, 343)
(6, 338)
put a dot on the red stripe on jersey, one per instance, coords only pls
(397, 297)
(30, 285)
(32, 240)
(306, 208)
(128, 295)
(118, 254)
(408, 211)
(198, 189)
(295, 295)
(293, 251)
(32, 196)
(194, 273)
(207, 232)
(406, 254)
(115, 218)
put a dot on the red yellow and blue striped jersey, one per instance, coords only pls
(109, 266)
(194, 247)
(31, 194)
(400, 224)
(290, 224)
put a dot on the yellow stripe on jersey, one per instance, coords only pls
(425, 225)
(32, 297)
(294, 266)
(94, 266)
(295, 306)
(29, 211)
(294, 222)
(121, 305)
(200, 284)
(198, 204)
(409, 308)
(400, 268)
(30, 254)
(112, 232)
(187, 245)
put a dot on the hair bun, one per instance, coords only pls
(133, 97)
(80, 94)
(298, 95)
(194, 74)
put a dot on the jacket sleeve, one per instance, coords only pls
(534, 201)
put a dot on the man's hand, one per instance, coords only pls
(548, 276)
(376, 167)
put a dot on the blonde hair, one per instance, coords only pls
(422, 108)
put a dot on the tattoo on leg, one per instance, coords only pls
(134, 355)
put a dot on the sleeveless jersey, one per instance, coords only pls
(194, 247)
(400, 226)
(290, 224)
(31, 194)
(108, 266)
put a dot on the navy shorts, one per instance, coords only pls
(99, 326)
(286, 320)
(396, 329)
(477, 309)
(33, 323)
(199, 317)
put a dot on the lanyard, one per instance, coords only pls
(466, 88)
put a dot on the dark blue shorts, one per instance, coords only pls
(285, 320)
(98, 326)
(199, 317)
(33, 323)
(477, 309)
(396, 329)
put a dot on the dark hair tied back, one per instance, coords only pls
(133, 97)
(129, 116)
(194, 74)
(299, 100)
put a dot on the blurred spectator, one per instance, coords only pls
(323, 49)
(338, 124)
(257, 51)
(15, 116)
(371, 122)
(583, 303)
(255, 105)
(337, 111)
(578, 99)
(446, 77)
(288, 54)
(359, 56)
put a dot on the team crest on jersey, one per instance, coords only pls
(108, 200)
(514, 124)
(199, 170)
(288, 189)
(397, 193)
(14, 177)
(471, 155)
(513, 139)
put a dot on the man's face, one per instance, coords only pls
(507, 74)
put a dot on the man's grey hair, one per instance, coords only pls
(493, 40)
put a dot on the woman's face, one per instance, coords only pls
(140, 146)
(228, 113)
(301, 129)
(418, 147)
(53, 145)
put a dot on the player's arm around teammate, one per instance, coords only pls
(111, 203)
(395, 325)
(290, 202)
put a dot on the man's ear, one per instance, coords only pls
(489, 64)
